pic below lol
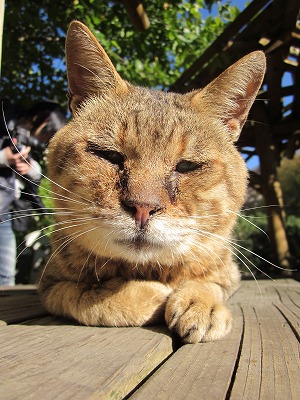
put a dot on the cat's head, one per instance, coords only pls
(153, 176)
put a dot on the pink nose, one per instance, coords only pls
(142, 215)
(141, 212)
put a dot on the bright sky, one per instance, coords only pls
(240, 4)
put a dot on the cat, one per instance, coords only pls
(148, 186)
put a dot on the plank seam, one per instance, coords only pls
(22, 321)
(147, 377)
(288, 321)
(237, 361)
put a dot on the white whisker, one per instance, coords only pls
(62, 246)
(244, 248)
(250, 222)
(56, 230)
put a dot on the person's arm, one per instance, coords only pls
(18, 161)
(35, 171)
(3, 159)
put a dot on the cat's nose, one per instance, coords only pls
(141, 212)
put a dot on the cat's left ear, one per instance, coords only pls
(230, 96)
(90, 71)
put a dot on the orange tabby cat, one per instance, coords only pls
(149, 184)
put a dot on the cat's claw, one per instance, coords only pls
(195, 319)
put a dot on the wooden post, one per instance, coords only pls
(1, 29)
(137, 14)
(271, 188)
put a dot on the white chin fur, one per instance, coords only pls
(161, 243)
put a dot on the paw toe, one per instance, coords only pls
(198, 323)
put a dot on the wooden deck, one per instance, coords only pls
(43, 357)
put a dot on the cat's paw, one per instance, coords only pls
(197, 316)
(118, 302)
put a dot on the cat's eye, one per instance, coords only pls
(114, 157)
(187, 166)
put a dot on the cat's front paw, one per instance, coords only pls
(197, 316)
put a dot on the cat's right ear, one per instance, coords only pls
(90, 71)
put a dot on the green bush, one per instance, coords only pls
(255, 240)
(250, 234)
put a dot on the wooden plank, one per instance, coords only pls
(54, 358)
(266, 365)
(253, 292)
(77, 362)
(292, 316)
(264, 291)
(247, 382)
(269, 362)
(17, 305)
(50, 320)
(280, 357)
(199, 371)
(289, 294)
(289, 306)
(17, 288)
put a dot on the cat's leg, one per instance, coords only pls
(114, 303)
(196, 312)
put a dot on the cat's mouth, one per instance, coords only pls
(139, 243)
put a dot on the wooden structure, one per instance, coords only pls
(1, 30)
(273, 129)
(44, 357)
(137, 14)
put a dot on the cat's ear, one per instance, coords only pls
(230, 96)
(90, 71)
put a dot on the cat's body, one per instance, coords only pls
(149, 184)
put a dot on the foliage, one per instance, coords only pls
(293, 233)
(289, 177)
(250, 233)
(254, 239)
(34, 34)
(46, 220)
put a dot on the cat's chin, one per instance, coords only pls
(141, 250)
(139, 244)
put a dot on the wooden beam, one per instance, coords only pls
(137, 14)
(230, 53)
(286, 127)
(255, 181)
(291, 146)
(296, 101)
(219, 44)
(286, 91)
(1, 29)
(269, 159)
(273, 79)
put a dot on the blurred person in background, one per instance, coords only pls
(23, 137)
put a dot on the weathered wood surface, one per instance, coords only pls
(258, 360)
(51, 358)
